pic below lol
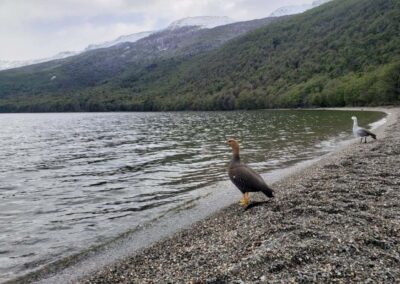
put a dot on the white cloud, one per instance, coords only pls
(42, 28)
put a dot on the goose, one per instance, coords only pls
(244, 177)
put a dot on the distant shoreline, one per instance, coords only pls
(380, 108)
(234, 206)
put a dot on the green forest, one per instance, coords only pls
(343, 53)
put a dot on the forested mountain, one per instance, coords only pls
(69, 84)
(345, 52)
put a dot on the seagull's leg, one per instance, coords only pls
(361, 140)
(365, 141)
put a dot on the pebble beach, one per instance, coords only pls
(335, 221)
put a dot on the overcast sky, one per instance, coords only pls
(31, 29)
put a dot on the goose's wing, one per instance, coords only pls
(246, 179)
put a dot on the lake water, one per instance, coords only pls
(72, 180)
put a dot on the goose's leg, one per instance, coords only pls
(242, 200)
(245, 199)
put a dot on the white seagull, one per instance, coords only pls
(361, 132)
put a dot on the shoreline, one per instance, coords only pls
(154, 245)
(336, 220)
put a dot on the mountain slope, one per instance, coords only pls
(345, 52)
(205, 22)
(342, 53)
(97, 67)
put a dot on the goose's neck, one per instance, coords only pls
(235, 154)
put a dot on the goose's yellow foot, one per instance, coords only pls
(245, 200)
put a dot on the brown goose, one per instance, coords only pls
(245, 178)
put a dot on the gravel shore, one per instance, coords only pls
(336, 221)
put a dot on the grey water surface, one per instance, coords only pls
(72, 180)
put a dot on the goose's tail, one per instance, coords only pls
(268, 192)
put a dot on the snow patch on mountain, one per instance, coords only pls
(125, 38)
(4, 64)
(201, 22)
(204, 22)
(291, 10)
